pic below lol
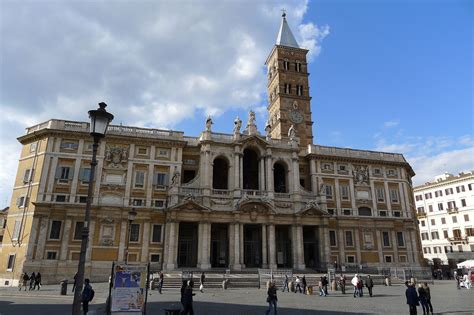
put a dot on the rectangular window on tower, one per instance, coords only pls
(298, 66)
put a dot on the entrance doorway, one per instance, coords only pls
(252, 245)
(283, 246)
(187, 244)
(311, 247)
(219, 245)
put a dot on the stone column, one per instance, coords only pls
(91, 241)
(237, 169)
(206, 252)
(387, 197)
(314, 177)
(357, 245)
(296, 174)
(146, 242)
(129, 181)
(241, 244)
(32, 238)
(410, 251)
(341, 245)
(237, 265)
(173, 228)
(415, 247)
(272, 247)
(42, 238)
(75, 180)
(264, 246)
(352, 194)
(231, 231)
(300, 247)
(327, 248)
(395, 246)
(337, 195)
(207, 169)
(241, 167)
(65, 239)
(269, 165)
(149, 184)
(123, 240)
(261, 174)
(200, 243)
(379, 246)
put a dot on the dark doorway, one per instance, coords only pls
(283, 246)
(279, 178)
(187, 244)
(250, 170)
(220, 173)
(252, 245)
(219, 245)
(311, 247)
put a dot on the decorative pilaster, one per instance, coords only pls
(387, 197)
(300, 247)
(206, 252)
(379, 246)
(123, 235)
(237, 265)
(200, 243)
(146, 241)
(32, 238)
(415, 247)
(314, 177)
(395, 246)
(340, 243)
(42, 238)
(337, 195)
(65, 239)
(77, 169)
(149, 184)
(357, 244)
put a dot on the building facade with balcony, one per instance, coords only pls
(240, 201)
(445, 211)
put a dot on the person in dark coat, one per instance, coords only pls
(285, 284)
(422, 298)
(87, 296)
(325, 285)
(160, 284)
(187, 299)
(412, 298)
(37, 281)
(32, 280)
(342, 283)
(429, 306)
(369, 283)
(272, 298)
(203, 278)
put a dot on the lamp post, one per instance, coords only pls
(100, 120)
(131, 217)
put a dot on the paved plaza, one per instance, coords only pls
(387, 300)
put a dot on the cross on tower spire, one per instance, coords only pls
(283, 12)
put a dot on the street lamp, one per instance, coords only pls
(100, 120)
(131, 217)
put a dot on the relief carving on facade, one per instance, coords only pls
(116, 155)
(221, 202)
(361, 174)
(107, 242)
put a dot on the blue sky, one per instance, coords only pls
(393, 76)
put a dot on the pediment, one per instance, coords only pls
(312, 208)
(253, 140)
(255, 206)
(189, 205)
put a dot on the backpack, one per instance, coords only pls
(91, 295)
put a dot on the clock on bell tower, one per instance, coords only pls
(288, 88)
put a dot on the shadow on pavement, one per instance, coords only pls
(209, 308)
(11, 308)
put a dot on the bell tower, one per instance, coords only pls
(288, 88)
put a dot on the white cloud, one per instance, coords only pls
(391, 123)
(156, 63)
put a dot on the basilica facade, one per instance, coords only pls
(249, 199)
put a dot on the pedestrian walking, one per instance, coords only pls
(429, 306)
(354, 283)
(412, 297)
(160, 283)
(458, 280)
(320, 286)
(37, 281)
(360, 287)
(422, 298)
(201, 286)
(303, 281)
(32, 280)
(74, 284)
(369, 283)
(298, 284)
(285, 284)
(325, 283)
(87, 296)
(187, 299)
(272, 298)
(24, 281)
(342, 283)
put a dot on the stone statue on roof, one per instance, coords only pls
(208, 123)
(237, 125)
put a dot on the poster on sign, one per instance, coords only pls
(129, 284)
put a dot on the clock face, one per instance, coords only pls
(296, 116)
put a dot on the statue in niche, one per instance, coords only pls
(361, 174)
(175, 178)
(292, 132)
(237, 125)
(209, 123)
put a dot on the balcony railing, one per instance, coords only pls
(254, 193)
(452, 210)
(221, 192)
(457, 239)
(421, 215)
